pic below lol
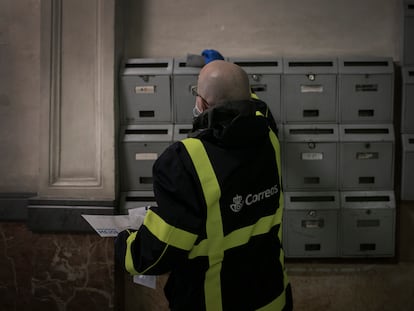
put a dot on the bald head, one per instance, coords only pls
(221, 81)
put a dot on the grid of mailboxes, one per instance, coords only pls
(335, 119)
(407, 107)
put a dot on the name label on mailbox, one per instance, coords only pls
(145, 89)
(312, 156)
(146, 156)
(311, 89)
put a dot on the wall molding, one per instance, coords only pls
(77, 98)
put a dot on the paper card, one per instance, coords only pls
(111, 225)
(146, 280)
(108, 226)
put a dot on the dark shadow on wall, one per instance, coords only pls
(133, 24)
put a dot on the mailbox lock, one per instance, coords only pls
(368, 212)
(145, 78)
(367, 145)
(256, 77)
(312, 213)
(311, 145)
(311, 77)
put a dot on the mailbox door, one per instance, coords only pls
(137, 161)
(368, 232)
(309, 99)
(145, 99)
(311, 165)
(366, 98)
(366, 165)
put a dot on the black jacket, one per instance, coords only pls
(243, 158)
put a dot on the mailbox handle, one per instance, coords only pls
(139, 199)
(312, 247)
(366, 112)
(367, 247)
(311, 113)
(259, 87)
(366, 180)
(145, 180)
(311, 180)
(146, 113)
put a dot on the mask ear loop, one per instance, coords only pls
(196, 111)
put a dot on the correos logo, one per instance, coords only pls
(238, 201)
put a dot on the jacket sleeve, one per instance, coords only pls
(169, 230)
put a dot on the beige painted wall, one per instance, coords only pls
(164, 28)
(19, 95)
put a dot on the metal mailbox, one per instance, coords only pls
(367, 223)
(181, 131)
(366, 156)
(309, 91)
(140, 148)
(184, 79)
(146, 91)
(311, 224)
(311, 156)
(264, 77)
(366, 90)
(135, 199)
(407, 110)
(408, 33)
(407, 168)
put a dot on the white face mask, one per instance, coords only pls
(196, 111)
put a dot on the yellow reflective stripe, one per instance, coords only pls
(240, 236)
(169, 234)
(254, 95)
(214, 226)
(276, 146)
(129, 262)
(280, 301)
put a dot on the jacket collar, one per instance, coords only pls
(233, 123)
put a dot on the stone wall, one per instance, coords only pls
(55, 272)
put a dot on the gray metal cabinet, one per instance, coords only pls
(141, 146)
(311, 157)
(366, 90)
(145, 91)
(311, 224)
(407, 168)
(408, 33)
(366, 157)
(184, 79)
(407, 110)
(134, 199)
(367, 223)
(310, 91)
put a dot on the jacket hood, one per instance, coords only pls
(231, 124)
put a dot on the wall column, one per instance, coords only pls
(77, 117)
